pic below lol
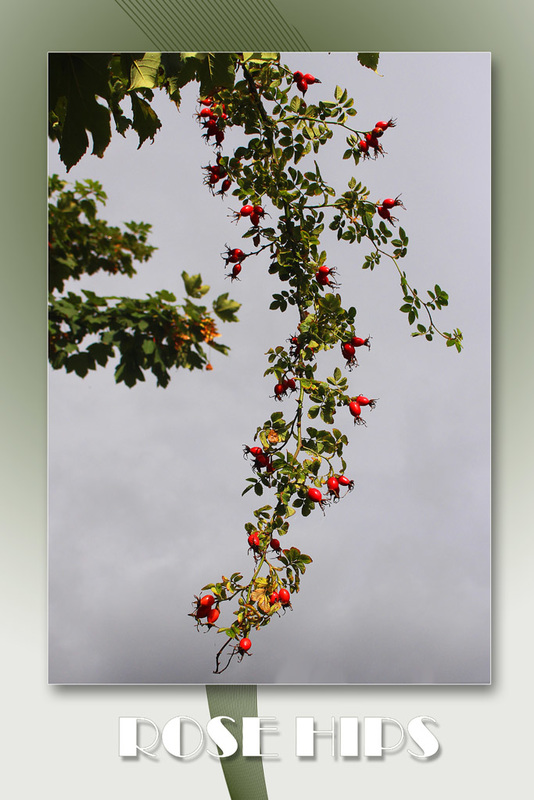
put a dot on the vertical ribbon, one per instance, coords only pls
(244, 777)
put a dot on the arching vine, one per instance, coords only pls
(285, 211)
(281, 210)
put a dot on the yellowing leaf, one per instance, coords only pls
(144, 71)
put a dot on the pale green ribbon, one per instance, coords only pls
(244, 776)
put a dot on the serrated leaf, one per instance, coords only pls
(193, 285)
(144, 71)
(76, 80)
(369, 60)
(146, 122)
(225, 308)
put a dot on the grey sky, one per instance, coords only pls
(145, 484)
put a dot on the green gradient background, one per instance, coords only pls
(72, 746)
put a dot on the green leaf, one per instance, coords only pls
(225, 308)
(260, 58)
(76, 80)
(168, 297)
(193, 285)
(295, 104)
(215, 71)
(146, 122)
(144, 71)
(80, 363)
(369, 60)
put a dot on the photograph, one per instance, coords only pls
(269, 368)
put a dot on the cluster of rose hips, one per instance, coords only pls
(324, 274)
(261, 459)
(234, 256)
(283, 597)
(355, 408)
(348, 349)
(214, 174)
(333, 485)
(212, 122)
(283, 387)
(304, 80)
(255, 544)
(295, 347)
(371, 139)
(205, 609)
(387, 204)
(256, 213)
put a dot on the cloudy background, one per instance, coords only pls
(145, 483)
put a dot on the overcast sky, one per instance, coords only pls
(145, 483)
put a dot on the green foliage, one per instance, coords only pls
(87, 90)
(369, 60)
(274, 167)
(153, 334)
